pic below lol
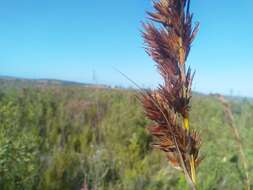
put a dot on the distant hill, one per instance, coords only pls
(15, 82)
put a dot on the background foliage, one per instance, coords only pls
(57, 136)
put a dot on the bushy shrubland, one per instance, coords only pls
(57, 137)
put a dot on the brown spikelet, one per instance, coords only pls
(168, 106)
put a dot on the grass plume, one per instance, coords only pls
(169, 106)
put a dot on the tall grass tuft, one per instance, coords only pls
(231, 121)
(168, 41)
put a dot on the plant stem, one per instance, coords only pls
(193, 170)
(192, 161)
(231, 121)
(187, 176)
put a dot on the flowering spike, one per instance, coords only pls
(169, 46)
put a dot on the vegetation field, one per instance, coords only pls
(59, 137)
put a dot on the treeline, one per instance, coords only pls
(56, 137)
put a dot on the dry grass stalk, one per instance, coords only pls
(168, 106)
(85, 185)
(231, 122)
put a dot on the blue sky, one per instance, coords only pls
(71, 40)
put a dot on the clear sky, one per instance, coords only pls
(71, 40)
